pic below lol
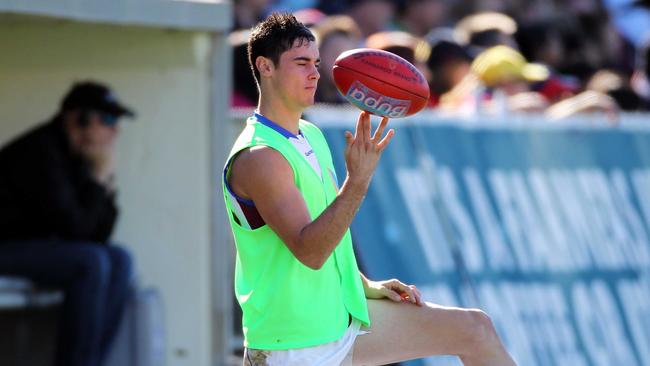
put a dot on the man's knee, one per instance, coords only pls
(94, 262)
(121, 260)
(480, 329)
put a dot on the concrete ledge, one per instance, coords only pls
(205, 15)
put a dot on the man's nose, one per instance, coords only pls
(315, 74)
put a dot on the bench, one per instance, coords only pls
(18, 293)
(28, 322)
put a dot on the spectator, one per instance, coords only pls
(640, 82)
(631, 18)
(642, 3)
(484, 30)
(248, 12)
(534, 11)
(527, 102)
(498, 74)
(591, 43)
(618, 87)
(449, 63)
(506, 69)
(371, 16)
(558, 87)
(587, 103)
(244, 88)
(335, 34)
(57, 212)
(309, 16)
(412, 49)
(418, 17)
(541, 41)
(499, 6)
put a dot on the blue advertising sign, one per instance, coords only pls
(546, 228)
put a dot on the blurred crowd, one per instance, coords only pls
(556, 57)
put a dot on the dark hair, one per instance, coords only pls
(274, 36)
(444, 52)
(243, 80)
(626, 99)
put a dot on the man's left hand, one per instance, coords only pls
(394, 290)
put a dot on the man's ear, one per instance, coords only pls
(264, 65)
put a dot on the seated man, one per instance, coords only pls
(57, 212)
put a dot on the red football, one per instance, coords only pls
(380, 82)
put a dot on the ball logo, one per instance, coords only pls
(377, 103)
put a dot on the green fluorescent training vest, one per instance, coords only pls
(286, 304)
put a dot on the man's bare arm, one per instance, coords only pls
(263, 175)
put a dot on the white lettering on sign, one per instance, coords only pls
(520, 220)
(600, 325)
(641, 183)
(499, 256)
(556, 220)
(419, 202)
(637, 248)
(602, 215)
(635, 297)
(533, 320)
(465, 235)
(561, 259)
(571, 206)
(569, 220)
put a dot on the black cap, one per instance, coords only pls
(94, 96)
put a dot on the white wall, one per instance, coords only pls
(163, 164)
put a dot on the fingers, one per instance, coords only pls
(362, 133)
(418, 295)
(380, 130)
(366, 127)
(348, 138)
(407, 293)
(384, 142)
(363, 130)
(359, 129)
(392, 294)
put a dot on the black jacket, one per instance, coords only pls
(48, 192)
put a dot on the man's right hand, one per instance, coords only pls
(101, 159)
(362, 151)
(97, 145)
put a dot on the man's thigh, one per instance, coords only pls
(403, 331)
(50, 263)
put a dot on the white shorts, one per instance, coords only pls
(337, 353)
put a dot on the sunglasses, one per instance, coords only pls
(109, 119)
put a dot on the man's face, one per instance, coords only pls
(101, 130)
(296, 75)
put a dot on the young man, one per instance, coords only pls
(303, 298)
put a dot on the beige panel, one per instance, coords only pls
(163, 155)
